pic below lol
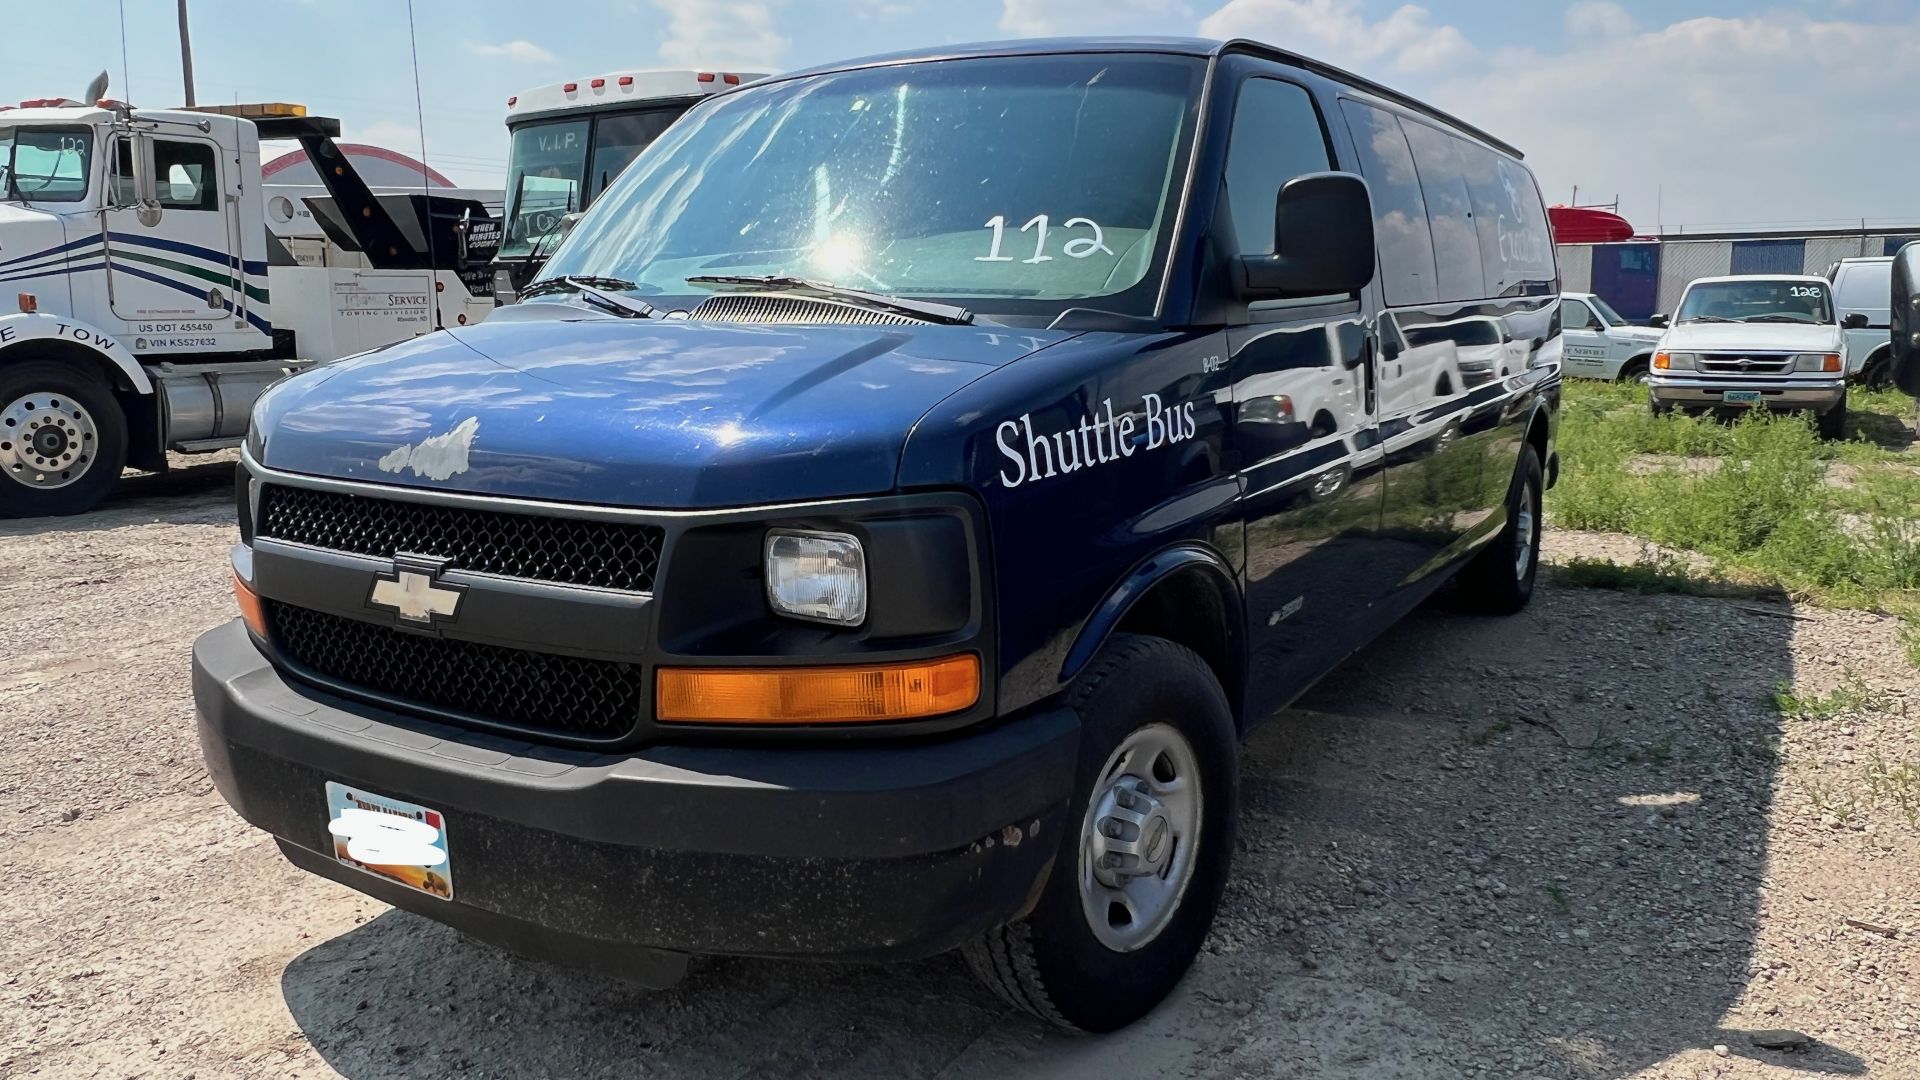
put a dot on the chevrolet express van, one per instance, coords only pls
(905, 489)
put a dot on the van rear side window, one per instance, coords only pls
(1399, 210)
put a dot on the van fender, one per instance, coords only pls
(20, 332)
(1141, 580)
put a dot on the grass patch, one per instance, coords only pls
(1853, 695)
(1766, 517)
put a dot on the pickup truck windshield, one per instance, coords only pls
(1606, 312)
(1757, 301)
(1012, 184)
(40, 164)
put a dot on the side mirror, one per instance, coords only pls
(146, 192)
(1658, 322)
(1906, 319)
(1322, 240)
(1855, 321)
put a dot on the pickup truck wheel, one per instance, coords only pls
(1833, 422)
(63, 440)
(1635, 371)
(1138, 876)
(1499, 580)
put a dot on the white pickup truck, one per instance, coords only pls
(1597, 343)
(1769, 341)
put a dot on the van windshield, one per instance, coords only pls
(1012, 184)
(1757, 301)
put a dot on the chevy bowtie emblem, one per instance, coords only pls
(412, 589)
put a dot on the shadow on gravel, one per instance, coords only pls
(142, 497)
(1461, 855)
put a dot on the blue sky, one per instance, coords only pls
(1711, 112)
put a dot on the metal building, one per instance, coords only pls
(1643, 277)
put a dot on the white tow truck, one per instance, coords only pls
(569, 140)
(146, 306)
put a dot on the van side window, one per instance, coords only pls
(1399, 211)
(1575, 315)
(1440, 159)
(186, 176)
(1276, 137)
(1515, 244)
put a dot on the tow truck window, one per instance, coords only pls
(186, 175)
(1757, 301)
(1019, 181)
(546, 169)
(41, 164)
(618, 138)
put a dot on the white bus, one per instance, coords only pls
(569, 140)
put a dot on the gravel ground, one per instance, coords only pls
(1582, 842)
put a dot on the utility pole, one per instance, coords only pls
(186, 54)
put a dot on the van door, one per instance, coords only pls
(178, 280)
(1303, 427)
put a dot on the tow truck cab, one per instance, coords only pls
(876, 531)
(148, 304)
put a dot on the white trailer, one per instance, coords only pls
(149, 305)
(569, 140)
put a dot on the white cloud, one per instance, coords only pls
(1338, 31)
(1049, 18)
(519, 51)
(732, 34)
(1778, 118)
(1598, 18)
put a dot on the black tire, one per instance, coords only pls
(1878, 374)
(1493, 582)
(98, 457)
(1051, 963)
(1833, 422)
(1634, 370)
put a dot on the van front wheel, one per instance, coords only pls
(1138, 876)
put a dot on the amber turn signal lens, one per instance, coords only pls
(857, 694)
(1832, 362)
(249, 604)
(1661, 360)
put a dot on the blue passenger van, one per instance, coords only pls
(880, 527)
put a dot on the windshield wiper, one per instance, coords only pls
(1709, 318)
(920, 309)
(592, 297)
(1778, 317)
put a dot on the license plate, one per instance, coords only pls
(392, 838)
(1741, 397)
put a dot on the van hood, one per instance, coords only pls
(1759, 337)
(628, 412)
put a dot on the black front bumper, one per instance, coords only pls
(629, 861)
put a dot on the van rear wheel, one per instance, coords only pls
(1138, 875)
(1499, 580)
(63, 440)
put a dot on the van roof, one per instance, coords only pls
(1179, 46)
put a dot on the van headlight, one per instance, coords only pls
(818, 576)
(1814, 361)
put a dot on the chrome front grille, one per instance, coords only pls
(1727, 363)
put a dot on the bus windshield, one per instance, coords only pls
(556, 167)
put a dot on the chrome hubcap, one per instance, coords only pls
(46, 440)
(1140, 838)
(1523, 534)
